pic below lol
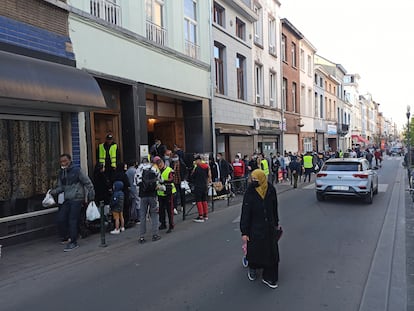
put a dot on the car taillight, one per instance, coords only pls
(363, 176)
(321, 175)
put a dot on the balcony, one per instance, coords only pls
(107, 10)
(192, 49)
(156, 33)
(343, 129)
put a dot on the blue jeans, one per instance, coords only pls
(68, 219)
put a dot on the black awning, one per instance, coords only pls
(32, 83)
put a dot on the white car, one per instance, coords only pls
(346, 177)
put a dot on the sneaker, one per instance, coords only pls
(245, 263)
(175, 211)
(205, 217)
(65, 241)
(198, 219)
(251, 274)
(162, 227)
(138, 222)
(122, 229)
(270, 284)
(142, 240)
(70, 247)
(155, 237)
(115, 231)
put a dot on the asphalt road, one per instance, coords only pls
(334, 256)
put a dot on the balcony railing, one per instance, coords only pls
(156, 33)
(192, 49)
(108, 10)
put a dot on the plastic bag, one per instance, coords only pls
(211, 191)
(186, 187)
(92, 212)
(48, 201)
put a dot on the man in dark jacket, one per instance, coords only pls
(225, 170)
(200, 177)
(71, 194)
(295, 167)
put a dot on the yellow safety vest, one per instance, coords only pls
(265, 166)
(112, 154)
(307, 161)
(164, 176)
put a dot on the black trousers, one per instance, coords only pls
(270, 273)
(166, 205)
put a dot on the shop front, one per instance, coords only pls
(40, 103)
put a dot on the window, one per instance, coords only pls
(283, 48)
(109, 10)
(258, 83)
(272, 36)
(302, 102)
(240, 29)
(272, 89)
(316, 106)
(218, 14)
(240, 63)
(293, 52)
(316, 79)
(320, 82)
(302, 59)
(320, 106)
(294, 99)
(219, 67)
(155, 21)
(284, 94)
(190, 29)
(309, 66)
(307, 144)
(258, 26)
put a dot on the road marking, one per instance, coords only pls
(381, 187)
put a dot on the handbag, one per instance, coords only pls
(48, 201)
(92, 212)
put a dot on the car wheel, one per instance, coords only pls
(376, 190)
(319, 196)
(370, 197)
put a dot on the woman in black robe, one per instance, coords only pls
(259, 223)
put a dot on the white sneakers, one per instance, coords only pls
(117, 231)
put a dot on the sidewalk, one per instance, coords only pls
(34, 257)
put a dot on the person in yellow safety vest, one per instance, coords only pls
(341, 154)
(165, 195)
(308, 165)
(108, 155)
(264, 165)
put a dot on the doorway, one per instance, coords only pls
(104, 123)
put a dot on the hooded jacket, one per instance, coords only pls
(117, 199)
(72, 181)
(199, 177)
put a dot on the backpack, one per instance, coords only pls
(149, 180)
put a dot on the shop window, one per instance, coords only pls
(29, 163)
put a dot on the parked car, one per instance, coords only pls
(349, 177)
(394, 151)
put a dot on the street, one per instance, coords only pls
(335, 255)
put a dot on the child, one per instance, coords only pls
(117, 205)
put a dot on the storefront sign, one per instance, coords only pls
(332, 129)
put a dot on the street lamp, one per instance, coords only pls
(408, 139)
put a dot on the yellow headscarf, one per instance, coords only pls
(261, 178)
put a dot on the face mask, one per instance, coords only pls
(167, 157)
(255, 183)
(175, 159)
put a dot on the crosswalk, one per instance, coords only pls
(381, 187)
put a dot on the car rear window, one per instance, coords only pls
(342, 166)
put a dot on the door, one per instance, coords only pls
(103, 124)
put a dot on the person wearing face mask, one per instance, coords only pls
(259, 223)
(71, 185)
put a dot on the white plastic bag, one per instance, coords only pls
(48, 201)
(211, 191)
(92, 212)
(186, 187)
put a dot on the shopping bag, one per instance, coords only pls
(92, 212)
(211, 191)
(185, 186)
(48, 201)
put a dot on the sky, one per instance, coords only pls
(374, 38)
